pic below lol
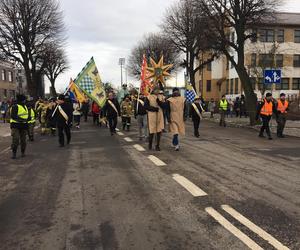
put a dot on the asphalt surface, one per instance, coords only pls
(104, 192)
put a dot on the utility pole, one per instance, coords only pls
(121, 63)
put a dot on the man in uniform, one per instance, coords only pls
(31, 120)
(196, 113)
(63, 116)
(126, 111)
(265, 110)
(223, 106)
(111, 111)
(141, 115)
(155, 117)
(19, 125)
(282, 108)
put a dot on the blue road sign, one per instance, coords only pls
(272, 76)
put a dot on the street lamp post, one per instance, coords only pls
(121, 63)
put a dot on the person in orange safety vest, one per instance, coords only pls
(282, 108)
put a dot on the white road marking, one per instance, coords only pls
(120, 133)
(128, 139)
(7, 135)
(256, 229)
(189, 186)
(5, 150)
(156, 161)
(117, 129)
(139, 148)
(231, 228)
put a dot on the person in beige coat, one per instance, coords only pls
(176, 114)
(154, 106)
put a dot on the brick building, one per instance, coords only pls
(8, 87)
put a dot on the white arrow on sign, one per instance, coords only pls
(269, 79)
(276, 77)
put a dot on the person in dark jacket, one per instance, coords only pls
(19, 125)
(85, 109)
(196, 112)
(111, 111)
(63, 117)
(140, 113)
(265, 110)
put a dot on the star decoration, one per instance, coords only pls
(158, 72)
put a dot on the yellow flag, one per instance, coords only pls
(78, 94)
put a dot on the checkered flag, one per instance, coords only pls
(190, 93)
(87, 84)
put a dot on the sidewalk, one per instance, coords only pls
(292, 127)
(4, 130)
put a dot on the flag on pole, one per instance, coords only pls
(89, 81)
(190, 93)
(75, 93)
(146, 86)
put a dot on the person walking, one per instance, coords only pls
(126, 112)
(265, 111)
(50, 117)
(19, 125)
(196, 113)
(176, 115)
(95, 113)
(223, 106)
(211, 107)
(281, 114)
(140, 113)
(155, 117)
(111, 111)
(63, 115)
(85, 107)
(4, 110)
(77, 114)
(31, 120)
(236, 107)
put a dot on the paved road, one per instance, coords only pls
(227, 190)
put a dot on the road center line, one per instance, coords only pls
(256, 229)
(139, 148)
(189, 186)
(232, 229)
(120, 133)
(128, 139)
(117, 129)
(156, 161)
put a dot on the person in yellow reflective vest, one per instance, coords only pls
(31, 121)
(223, 106)
(19, 125)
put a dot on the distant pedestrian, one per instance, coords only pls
(242, 106)
(176, 115)
(282, 109)
(111, 111)
(265, 111)
(31, 120)
(95, 113)
(4, 110)
(77, 114)
(211, 107)
(196, 113)
(223, 106)
(64, 114)
(236, 107)
(127, 110)
(230, 108)
(19, 125)
(85, 107)
(140, 113)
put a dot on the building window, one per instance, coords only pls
(231, 65)
(227, 64)
(227, 86)
(266, 60)
(253, 82)
(297, 36)
(279, 61)
(285, 84)
(231, 86)
(208, 85)
(296, 83)
(3, 75)
(280, 36)
(5, 92)
(209, 66)
(10, 76)
(267, 35)
(236, 86)
(296, 60)
(254, 36)
(253, 60)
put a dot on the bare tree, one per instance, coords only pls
(55, 63)
(152, 45)
(227, 17)
(25, 27)
(185, 26)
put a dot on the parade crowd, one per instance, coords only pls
(155, 113)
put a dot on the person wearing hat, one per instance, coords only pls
(19, 125)
(176, 115)
(153, 105)
(111, 111)
(140, 113)
(282, 109)
(63, 116)
(196, 113)
(223, 106)
(265, 111)
(127, 110)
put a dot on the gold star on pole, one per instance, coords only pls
(159, 72)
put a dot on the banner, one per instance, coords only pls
(89, 81)
(76, 93)
(146, 86)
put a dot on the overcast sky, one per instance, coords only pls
(108, 29)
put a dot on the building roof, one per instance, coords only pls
(283, 19)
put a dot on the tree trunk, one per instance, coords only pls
(53, 92)
(191, 70)
(30, 83)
